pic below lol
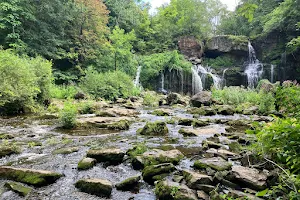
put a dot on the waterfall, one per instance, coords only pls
(204, 71)
(272, 73)
(137, 77)
(196, 80)
(254, 69)
(223, 77)
(162, 81)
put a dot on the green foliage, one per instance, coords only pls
(247, 10)
(219, 62)
(280, 139)
(288, 99)
(150, 99)
(68, 116)
(137, 150)
(109, 85)
(86, 107)
(24, 82)
(63, 91)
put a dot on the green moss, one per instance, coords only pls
(4, 136)
(137, 150)
(8, 150)
(160, 113)
(154, 128)
(129, 183)
(18, 188)
(238, 39)
(121, 125)
(153, 170)
(94, 187)
(86, 163)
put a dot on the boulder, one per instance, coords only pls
(29, 176)
(153, 170)
(251, 110)
(86, 163)
(241, 195)
(203, 98)
(161, 112)
(211, 144)
(225, 110)
(198, 131)
(222, 153)
(157, 156)
(200, 123)
(128, 184)
(18, 188)
(98, 187)
(111, 156)
(185, 122)
(79, 96)
(203, 111)
(173, 191)
(194, 179)
(190, 47)
(154, 128)
(215, 163)
(175, 98)
(113, 123)
(6, 151)
(202, 195)
(66, 150)
(251, 177)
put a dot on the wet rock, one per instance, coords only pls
(154, 128)
(173, 191)
(18, 188)
(29, 176)
(221, 152)
(198, 131)
(206, 188)
(235, 147)
(194, 179)
(202, 195)
(216, 163)
(241, 195)
(161, 112)
(105, 114)
(177, 178)
(123, 112)
(210, 144)
(185, 122)
(128, 184)
(157, 156)
(203, 98)
(111, 156)
(153, 170)
(86, 163)
(114, 123)
(251, 110)
(225, 110)
(200, 123)
(175, 98)
(6, 151)
(252, 178)
(4, 136)
(66, 150)
(98, 187)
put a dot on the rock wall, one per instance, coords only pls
(191, 48)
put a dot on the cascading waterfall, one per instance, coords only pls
(162, 81)
(196, 80)
(254, 69)
(223, 77)
(137, 77)
(208, 71)
(272, 73)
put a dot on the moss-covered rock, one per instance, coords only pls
(86, 163)
(4, 136)
(98, 187)
(157, 156)
(227, 44)
(185, 122)
(225, 110)
(120, 125)
(154, 128)
(111, 156)
(66, 150)
(161, 112)
(153, 170)
(168, 190)
(194, 179)
(203, 111)
(6, 151)
(200, 123)
(203, 98)
(128, 184)
(18, 188)
(215, 163)
(198, 131)
(29, 176)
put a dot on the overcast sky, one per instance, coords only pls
(231, 4)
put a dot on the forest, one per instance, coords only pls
(113, 99)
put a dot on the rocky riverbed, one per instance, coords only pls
(132, 152)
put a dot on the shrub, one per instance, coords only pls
(109, 85)
(63, 91)
(24, 82)
(288, 98)
(151, 99)
(68, 116)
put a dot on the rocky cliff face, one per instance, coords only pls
(191, 48)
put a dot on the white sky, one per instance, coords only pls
(231, 4)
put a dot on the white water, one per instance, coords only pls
(223, 77)
(137, 77)
(196, 80)
(162, 81)
(272, 73)
(208, 71)
(254, 69)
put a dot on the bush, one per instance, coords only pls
(288, 98)
(68, 116)
(24, 82)
(109, 85)
(63, 91)
(151, 99)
